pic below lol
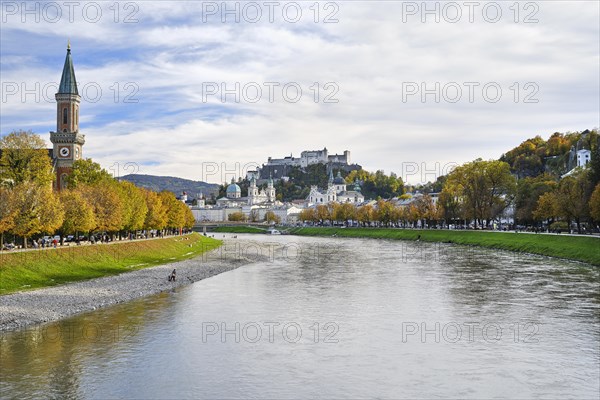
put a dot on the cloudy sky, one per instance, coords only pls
(189, 88)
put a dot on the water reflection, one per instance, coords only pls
(337, 318)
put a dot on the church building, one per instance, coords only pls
(67, 141)
(336, 192)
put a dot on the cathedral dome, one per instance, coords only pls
(339, 180)
(233, 188)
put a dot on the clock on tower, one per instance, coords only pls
(67, 141)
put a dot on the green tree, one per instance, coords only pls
(485, 187)
(595, 204)
(87, 172)
(529, 191)
(24, 159)
(572, 198)
(595, 162)
(449, 205)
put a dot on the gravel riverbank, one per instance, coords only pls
(22, 309)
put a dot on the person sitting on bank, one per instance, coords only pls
(172, 276)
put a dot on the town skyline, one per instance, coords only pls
(156, 82)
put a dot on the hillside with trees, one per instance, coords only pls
(536, 156)
(373, 185)
(172, 184)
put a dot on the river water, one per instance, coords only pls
(332, 318)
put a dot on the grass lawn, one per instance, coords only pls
(49, 267)
(578, 248)
(239, 229)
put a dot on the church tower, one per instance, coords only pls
(270, 190)
(252, 192)
(67, 141)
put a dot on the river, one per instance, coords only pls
(332, 318)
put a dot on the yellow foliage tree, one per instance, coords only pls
(79, 214)
(547, 207)
(24, 159)
(236, 217)
(175, 213)
(134, 206)
(105, 200)
(156, 217)
(7, 210)
(37, 210)
(270, 216)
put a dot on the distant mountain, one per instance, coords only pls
(172, 184)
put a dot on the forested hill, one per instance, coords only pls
(556, 155)
(172, 184)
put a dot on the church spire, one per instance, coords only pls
(68, 84)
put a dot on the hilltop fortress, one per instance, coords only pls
(278, 168)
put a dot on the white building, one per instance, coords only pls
(335, 192)
(254, 206)
(584, 156)
(263, 196)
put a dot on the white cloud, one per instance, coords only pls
(369, 54)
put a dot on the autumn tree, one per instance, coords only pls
(105, 199)
(546, 208)
(37, 210)
(156, 217)
(345, 212)
(365, 214)
(79, 214)
(308, 214)
(270, 216)
(175, 211)
(24, 159)
(385, 212)
(134, 206)
(426, 208)
(189, 219)
(237, 217)
(322, 212)
(7, 211)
